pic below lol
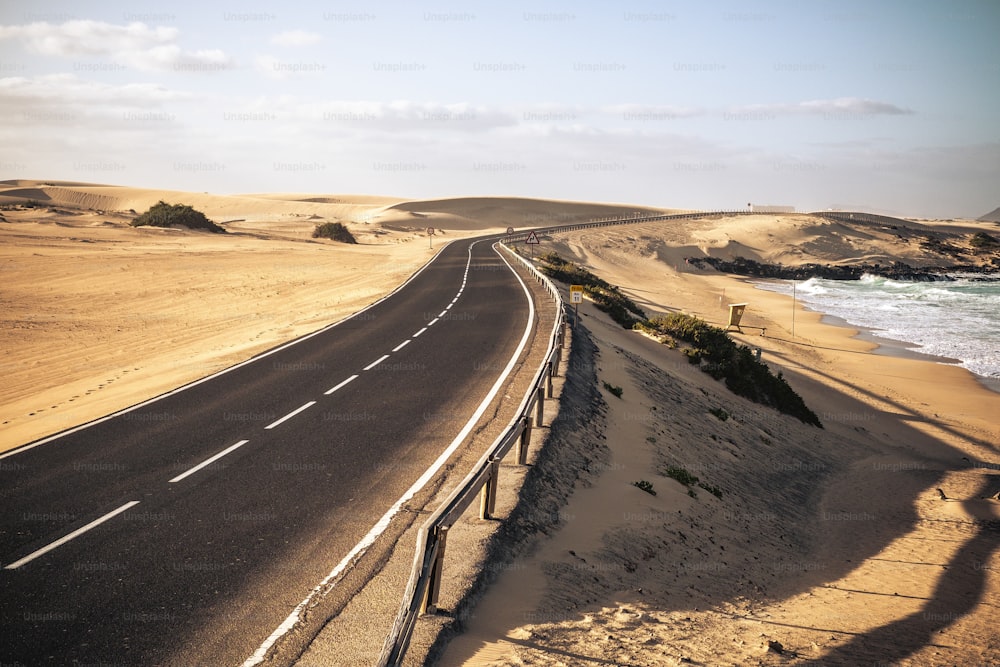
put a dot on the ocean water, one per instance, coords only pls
(957, 319)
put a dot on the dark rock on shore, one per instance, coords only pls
(743, 266)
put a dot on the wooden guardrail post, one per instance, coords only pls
(548, 379)
(434, 583)
(524, 441)
(539, 406)
(488, 497)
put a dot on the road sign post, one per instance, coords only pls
(430, 236)
(532, 241)
(575, 297)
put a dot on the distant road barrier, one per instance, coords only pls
(634, 219)
(423, 589)
(638, 218)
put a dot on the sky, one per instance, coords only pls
(889, 106)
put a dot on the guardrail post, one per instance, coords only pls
(488, 497)
(539, 406)
(548, 379)
(434, 583)
(524, 441)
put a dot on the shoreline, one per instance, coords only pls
(881, 345)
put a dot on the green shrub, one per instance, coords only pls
(645, 486)
(719, 356)
(617, 391)
(721, 414)
(714, 490)
(982, 240)
(681, 475)
(163, 214)
(335, 231)
(606, 296)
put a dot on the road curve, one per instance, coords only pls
(186, 530)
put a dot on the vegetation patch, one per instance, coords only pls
(617, 391)
(334, 231)
(719, 356)
(681, 475)
(645, 486)
(606, 296)
(163, 214)
(720, 414)
(983, 241)
(711, 348)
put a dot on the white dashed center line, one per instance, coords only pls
(420, 332)
(376, 362)
(76, 533)
(290, 415)
(401, 345)
(209, 461)
(333, 389)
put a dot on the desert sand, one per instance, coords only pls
(98, 316)
(828, 546)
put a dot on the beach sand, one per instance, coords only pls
(828, 546)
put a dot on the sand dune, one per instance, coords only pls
(84, 333)
(469, 212)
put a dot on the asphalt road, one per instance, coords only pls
(184, 532)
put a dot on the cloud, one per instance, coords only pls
(652, 112)
(76, 38)
(63, 100)
(68, 89)
(295, 38)
(140, 46)
(409, 116)
(844, 107)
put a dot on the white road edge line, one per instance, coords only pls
(76, 533)
(290, 415)
(342, 384)
(208, 461)
(361, 547)
(401, 345)
(376, 362)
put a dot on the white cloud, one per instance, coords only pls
(76, 38)
(136, 44)
(652, 112)
(295, 38)
(843, 107)
(67, 89)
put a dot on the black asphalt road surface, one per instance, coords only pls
(168, 563)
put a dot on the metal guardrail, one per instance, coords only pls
(624, 220)
(423, 588)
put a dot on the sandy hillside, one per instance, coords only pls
(827, 546)
(97, 315)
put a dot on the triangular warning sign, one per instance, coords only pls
(532, 238)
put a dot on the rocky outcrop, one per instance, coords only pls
(743, 266)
